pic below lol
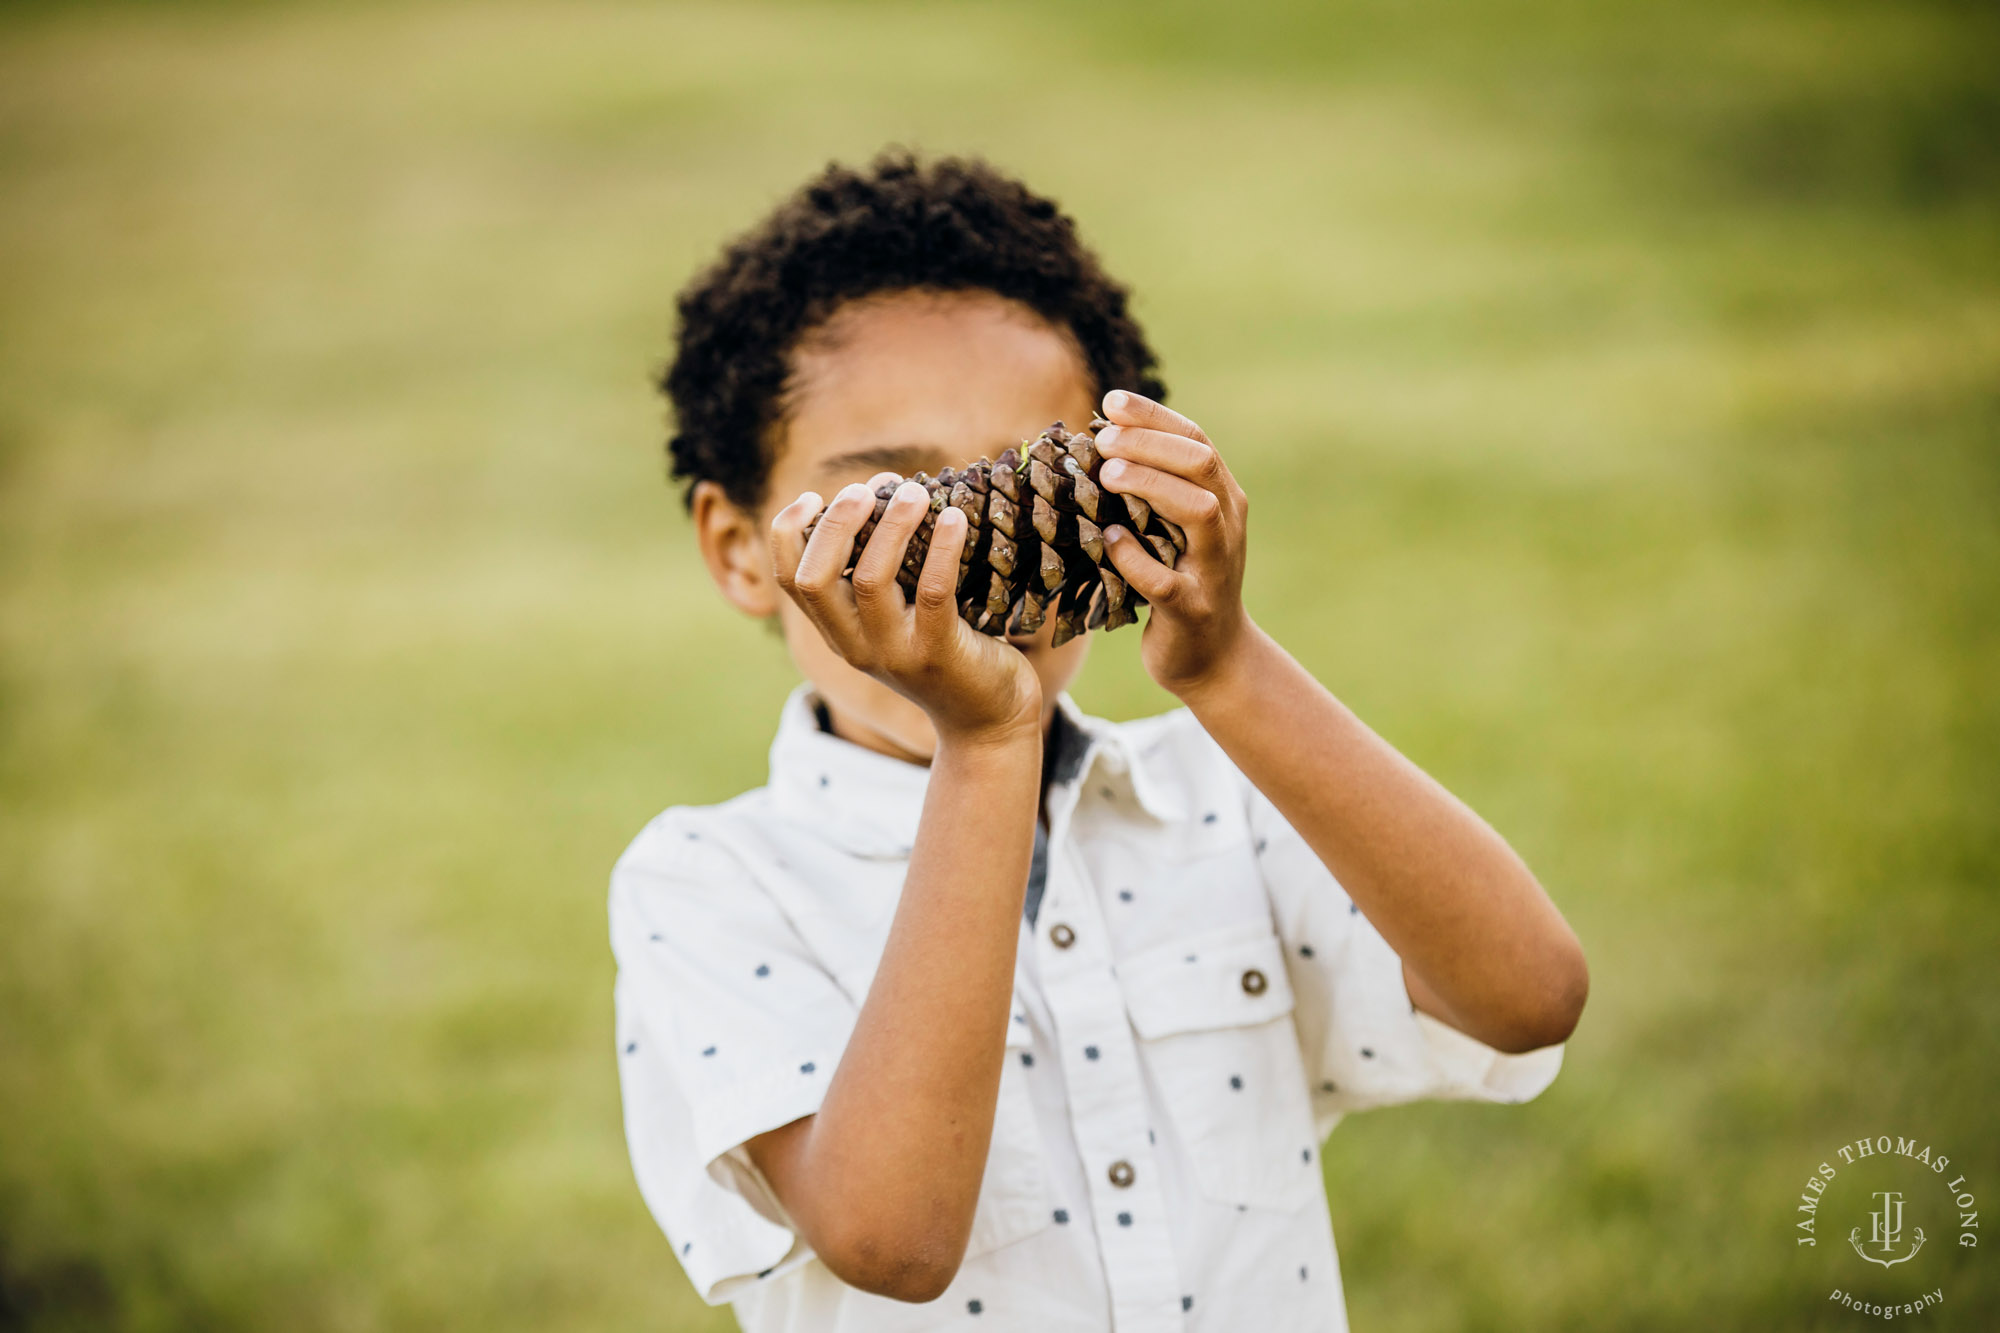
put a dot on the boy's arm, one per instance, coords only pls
(1482, 946)
(882, 1181)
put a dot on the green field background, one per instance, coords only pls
(1617, 388)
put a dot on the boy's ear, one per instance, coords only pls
(737, 550)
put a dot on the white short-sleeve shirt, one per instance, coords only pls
(1196, 1002)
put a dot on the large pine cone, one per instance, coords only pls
(1035, 535)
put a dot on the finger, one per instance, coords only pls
(1194, 508)
(937, 585)
(877, 596)
(831, 546)
(881, 479)
(1199, 463)
(1125, 408)
(1132, 559)
(817, 585)
(788, 542)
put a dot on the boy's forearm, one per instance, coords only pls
(1483, 946)
(886, 1175)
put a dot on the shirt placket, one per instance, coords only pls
(1107, 1100)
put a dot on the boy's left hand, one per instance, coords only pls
(1197, 619)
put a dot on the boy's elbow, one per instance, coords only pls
(916, 1283)
(1559, 1007)
(902, 1268)
(919, 1286)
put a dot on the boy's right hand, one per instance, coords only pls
(973, 688)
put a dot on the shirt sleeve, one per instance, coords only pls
(727, 1027)
(1364, 1043)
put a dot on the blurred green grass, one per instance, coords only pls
(1619, 393)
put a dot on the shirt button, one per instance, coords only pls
(1121, 1174)
(1253, 982)
(1061, 935)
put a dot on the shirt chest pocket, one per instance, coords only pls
(1213, 1014)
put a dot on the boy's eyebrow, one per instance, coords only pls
(905, 459)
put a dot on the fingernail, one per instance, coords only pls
(1115, 534)
(1114, 469)
(1116, 400)
(912, 488)
(951, 515)
(1107, 436)
(853, 488)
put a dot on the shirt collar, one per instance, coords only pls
(1112, 755)
(870, 803)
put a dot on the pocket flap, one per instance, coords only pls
(1224, 978)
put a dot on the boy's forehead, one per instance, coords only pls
(921, 382)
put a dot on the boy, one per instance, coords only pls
(985, 1010)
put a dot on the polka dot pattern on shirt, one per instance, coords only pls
(690, 911)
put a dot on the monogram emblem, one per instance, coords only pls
(1886, 1232)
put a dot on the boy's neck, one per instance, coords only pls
(859, 733)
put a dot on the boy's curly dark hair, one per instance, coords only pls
(955, 224)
